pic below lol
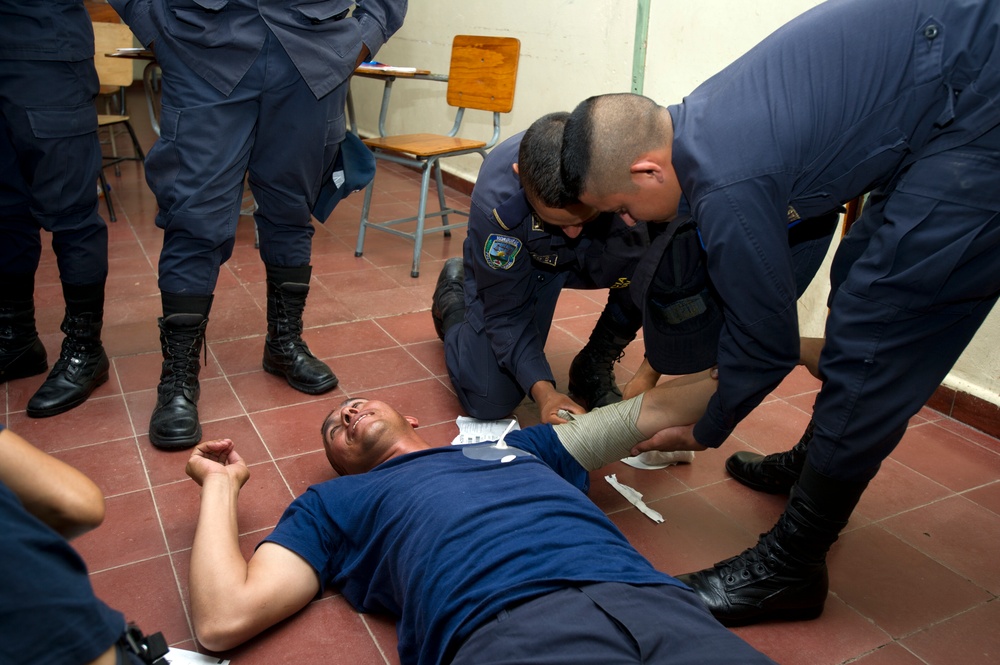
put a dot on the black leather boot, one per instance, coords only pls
(174, 423)
(783, 576)
(21, 352)
(448, 306)
(592, 372)
(285, 352)
(82, 367)
(775, 473)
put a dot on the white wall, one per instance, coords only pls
(571, 49)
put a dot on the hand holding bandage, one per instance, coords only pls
(612, 432)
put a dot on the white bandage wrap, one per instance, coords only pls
(604, 435)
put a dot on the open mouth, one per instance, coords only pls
(358, 419)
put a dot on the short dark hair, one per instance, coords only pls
(538, 160)
(574, 159)
(602, 138)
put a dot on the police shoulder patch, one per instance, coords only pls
(501, 250)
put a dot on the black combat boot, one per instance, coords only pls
(783, 576)
(174, 423)
(21, 352)
(775, 473)
(592, 372)
(448, 307)
(82, 365)
(285, 352)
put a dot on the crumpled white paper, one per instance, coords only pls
(471, 430)
(657, 459)
(634, 497)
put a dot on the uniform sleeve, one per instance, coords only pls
(305, 529)
(542, 442)
(746, 239)
(507, 295)
(136, 15)
(379, 20)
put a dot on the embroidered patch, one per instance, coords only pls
(536, 223)
(500, 251)
(793, 215)
(547, 259)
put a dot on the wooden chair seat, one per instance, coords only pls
(105, 120)
(424, 145)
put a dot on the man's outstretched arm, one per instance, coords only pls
(612, 432)
(232, 600)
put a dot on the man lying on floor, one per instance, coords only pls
(484, 553)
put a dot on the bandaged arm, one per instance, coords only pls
(607, 434)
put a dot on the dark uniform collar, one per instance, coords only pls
(513, 212)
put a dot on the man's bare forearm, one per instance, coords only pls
(218, 569)
(609, 433)
(680, 401)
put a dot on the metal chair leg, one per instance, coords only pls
(107, 196)
(440, 187)
(365, 208)
(418, 240)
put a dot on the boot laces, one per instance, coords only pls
(78, 344)
(288, 325)
(180, 365)
(753, 562)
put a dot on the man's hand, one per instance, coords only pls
(644, 378)
(220, 456)
(809, 350)
(671, 439)
(362, 56)
(550, 401)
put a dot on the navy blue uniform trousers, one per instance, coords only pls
(608, 624)
(50, 158)
(273, 126)
(912, 282)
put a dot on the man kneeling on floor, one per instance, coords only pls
(485, 553)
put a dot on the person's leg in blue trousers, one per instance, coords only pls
(912, 284)
(50, 158)
(486, 390)
(196, 171)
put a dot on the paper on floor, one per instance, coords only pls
(471, 430)
(632, 496)
(657, 459)
(182, 657)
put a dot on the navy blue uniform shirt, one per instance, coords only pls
(831, 105)
(508, 249)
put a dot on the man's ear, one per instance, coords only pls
(514, 166)
(647, 166)
(414, 423)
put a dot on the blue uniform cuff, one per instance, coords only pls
(707, 433)
(371, 34)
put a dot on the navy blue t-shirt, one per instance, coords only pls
(48, 610)
(444, 541)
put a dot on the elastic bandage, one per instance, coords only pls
(604, 435)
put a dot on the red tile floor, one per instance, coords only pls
(913, 579)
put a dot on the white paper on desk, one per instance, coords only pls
(633, 497)
(182, 657)
(471, 430)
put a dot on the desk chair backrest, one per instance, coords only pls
(483, 72)
(114, 73)
(482, 77)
